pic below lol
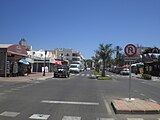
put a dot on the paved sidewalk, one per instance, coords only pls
(30, 77)
(139, 76)
(135, 106)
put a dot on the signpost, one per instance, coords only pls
(130, 50)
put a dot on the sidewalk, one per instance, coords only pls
(30, 77)
(139, 76)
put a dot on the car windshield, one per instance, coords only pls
(73, 66)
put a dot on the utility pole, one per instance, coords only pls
(44, 63)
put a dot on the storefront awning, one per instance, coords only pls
(57, 62)
(24, 61)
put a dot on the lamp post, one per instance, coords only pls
(44, 63)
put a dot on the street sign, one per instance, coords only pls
(132, 59)
(130, 50)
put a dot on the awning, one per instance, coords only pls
(57, 62)
(125, 66)
(29, 60)
(24, 61)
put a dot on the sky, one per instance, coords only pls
(80, 24)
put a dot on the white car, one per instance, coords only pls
(125, 71)
(74, 68)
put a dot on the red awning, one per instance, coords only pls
(57, 62)
(125, 66)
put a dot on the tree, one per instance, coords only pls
(96, 64)
(118, 55)
(105, 53)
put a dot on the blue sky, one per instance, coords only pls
(80, 24)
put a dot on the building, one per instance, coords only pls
(41, 58)
(69, 55)
(11, 63)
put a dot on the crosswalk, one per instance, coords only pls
(9, 114)
(83, 75)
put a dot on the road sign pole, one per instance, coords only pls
(130, 50)
(130, 78)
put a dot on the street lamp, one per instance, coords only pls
(44, 63)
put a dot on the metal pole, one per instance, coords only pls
(130, 80)
(44, 63)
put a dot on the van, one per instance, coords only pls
(74, 68)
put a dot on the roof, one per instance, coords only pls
(5, 45)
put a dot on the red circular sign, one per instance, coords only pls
(130, 50)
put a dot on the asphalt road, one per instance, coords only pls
(80, 97)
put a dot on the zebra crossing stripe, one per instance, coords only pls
(71, 118)
(39, 117)
(82, 75)
(9, 114)
(135, 119)
(105, 119)
(88, 75)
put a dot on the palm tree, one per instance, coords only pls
(104, 52)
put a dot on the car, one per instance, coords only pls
(74, 68)
(125, 71)
(62, 71)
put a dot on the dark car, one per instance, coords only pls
(61, 71)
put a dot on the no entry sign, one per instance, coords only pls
(130, 50)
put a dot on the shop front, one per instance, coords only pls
(11, 56)
(151, 60)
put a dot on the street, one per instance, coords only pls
(79, 97)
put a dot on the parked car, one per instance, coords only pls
(62, 71)
(125, 71)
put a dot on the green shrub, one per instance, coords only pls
(147, 76)
(104, 78)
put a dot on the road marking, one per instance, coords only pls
(107, 106)
(7, 91)
(135, 119)
(71, 118)
(88, 75)
(93, 75)
(2, 94)
(39, 117)
(105, 119)
(67, 102)
(82, 75)
(14, 89)
(142, 94)
(9, 114)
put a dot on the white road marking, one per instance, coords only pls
(67, 102)
(105, 119)
(107, 106)
(7, 91)
(14, 89)
(135, 119)
(71, 118)
(88, 75)
(82, 75)
(93, 75)
(9, 114)
(142, 94)
(39, 117)
(2, 94)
